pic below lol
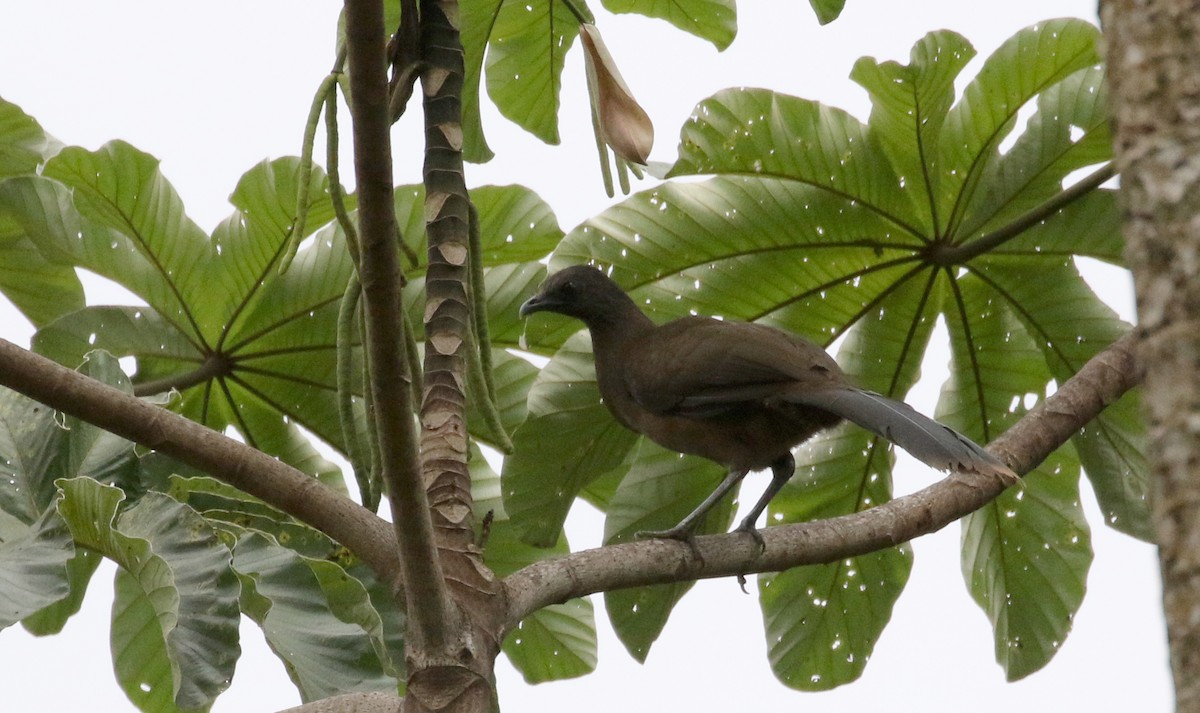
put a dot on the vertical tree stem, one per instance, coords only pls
(428, 604)
(448, 317)
(1153, 58)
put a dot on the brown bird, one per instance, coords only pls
(737, 393)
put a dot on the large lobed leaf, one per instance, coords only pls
(249, 347)
(179, 583)
(815, 222)
(324, 649)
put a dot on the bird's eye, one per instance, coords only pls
(567, 288)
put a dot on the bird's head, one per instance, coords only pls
(582, 292)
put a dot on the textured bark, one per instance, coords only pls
(457, 677)
(352, 703)
(1154, 69)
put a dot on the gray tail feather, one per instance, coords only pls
(927, 440)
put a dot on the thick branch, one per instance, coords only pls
(352, 703)
(243, 467)
(428, 602)
(1047, 426)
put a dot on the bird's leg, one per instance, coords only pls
(781, 472)
(683, 531)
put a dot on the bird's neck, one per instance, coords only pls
(619, 323)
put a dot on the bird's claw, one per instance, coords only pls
(749, 528)
(681, 534)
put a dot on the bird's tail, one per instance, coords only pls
(927, 440)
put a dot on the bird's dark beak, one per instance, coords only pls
(537, 303)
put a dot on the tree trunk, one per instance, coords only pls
(1154, 69)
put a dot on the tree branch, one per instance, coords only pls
(352, 703)
(428, 603)
(959, 254)
(1047, 426)
(243, 467)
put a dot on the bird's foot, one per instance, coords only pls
(679, 532)
(748, 527)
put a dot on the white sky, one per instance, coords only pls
(212, 88)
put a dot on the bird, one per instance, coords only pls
(740, 394)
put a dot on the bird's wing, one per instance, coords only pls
(699, 366)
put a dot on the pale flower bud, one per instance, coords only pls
(624, 125)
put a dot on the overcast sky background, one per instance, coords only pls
(213, 88)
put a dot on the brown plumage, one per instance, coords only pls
(737, 393)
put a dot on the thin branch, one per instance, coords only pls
(480, 371)
(275, 482)
(296, 234)
(1046, 427)
(962, 253)
(428, 602)
(359, 448)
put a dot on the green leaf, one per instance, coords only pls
(1026, 554)
(23, 144)
(661, 488)
(1026, 557)
(325, 648)
(180, 571)
(140, 656)
(36, 449)
(528, 44)
(1088, 227)
(1030, 62)
(822, 622)
(1069, 131)
(477, 17)
(31, 456)
(712, 20)
(568, 441)
(912, 101)
(1071, 325)
(515, 224)
(139, 234)
(761, 133)
(513, 377)
(272, 367)
(33, 568)
(52, 619)
(768, 250)
(555, 642)
(827, 10)
(350, 591)
(267, 339)
(41, 288)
